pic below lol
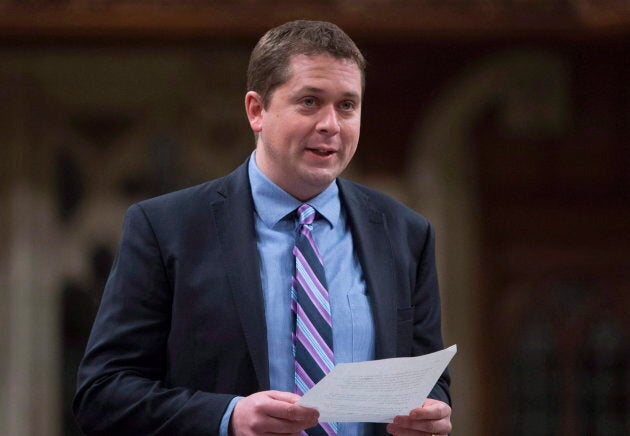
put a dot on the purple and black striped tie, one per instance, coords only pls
(312, 341)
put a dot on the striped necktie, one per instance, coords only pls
(312, 341)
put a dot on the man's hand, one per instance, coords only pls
(271, 412)
(432, 418)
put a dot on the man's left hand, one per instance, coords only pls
(432, 418)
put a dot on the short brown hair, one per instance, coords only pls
(269, 61)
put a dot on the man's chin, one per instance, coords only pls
(314, 184)
(321, 179)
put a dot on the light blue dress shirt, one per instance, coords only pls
(276, 229)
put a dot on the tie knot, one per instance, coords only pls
(306, 214)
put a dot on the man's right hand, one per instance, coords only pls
(271, 412)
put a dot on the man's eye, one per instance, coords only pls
(308, 102)
(347, 105)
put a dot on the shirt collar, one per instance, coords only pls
(272, 203)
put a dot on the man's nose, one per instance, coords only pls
(328, 122)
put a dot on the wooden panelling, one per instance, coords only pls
(173, 20)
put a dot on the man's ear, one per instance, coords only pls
(254, 110)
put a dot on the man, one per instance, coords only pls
(197, 333)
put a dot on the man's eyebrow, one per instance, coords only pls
(316, 90)
(311, 89)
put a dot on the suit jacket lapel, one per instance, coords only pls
(372, 242)
(234, 217)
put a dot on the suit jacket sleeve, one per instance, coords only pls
(122, 387)
(427, 317)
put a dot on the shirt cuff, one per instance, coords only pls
(224, 428)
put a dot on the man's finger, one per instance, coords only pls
(283, 406)
(284, 396)
(431, 409)
(403, 431)
(427, 426)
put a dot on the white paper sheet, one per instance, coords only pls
(378, 390)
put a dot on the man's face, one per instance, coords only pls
(310, 130)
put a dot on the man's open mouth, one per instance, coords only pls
(321, 152)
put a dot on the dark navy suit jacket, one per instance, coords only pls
(181, 326)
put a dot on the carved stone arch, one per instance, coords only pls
(528, 91)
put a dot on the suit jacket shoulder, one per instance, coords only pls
(189, 199)
(398, 216)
